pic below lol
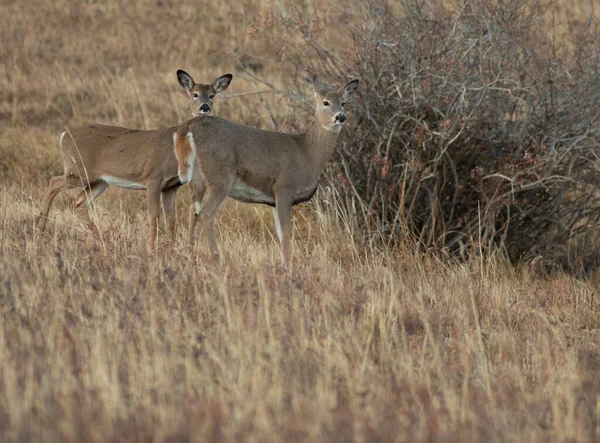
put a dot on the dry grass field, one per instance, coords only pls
(100, 340)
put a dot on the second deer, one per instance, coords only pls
(256, 166)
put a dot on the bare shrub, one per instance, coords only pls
(476, 129)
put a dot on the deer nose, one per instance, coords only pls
(204, 108)
(341, 117)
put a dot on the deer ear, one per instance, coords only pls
(185, 80)
(309, 77)
(348, 90)
(222, 82)
(317, 83)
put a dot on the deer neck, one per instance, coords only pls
(319, 145)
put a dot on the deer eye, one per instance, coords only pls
(343, 104)
(325, 103)
(211, 96)
(195, 95)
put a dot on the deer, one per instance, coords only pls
(264, 167)
(98, 156)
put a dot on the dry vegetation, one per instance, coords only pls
(102, 341)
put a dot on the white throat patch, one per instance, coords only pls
(333, 128)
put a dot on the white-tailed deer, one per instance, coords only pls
(96, 156)
(255, 166)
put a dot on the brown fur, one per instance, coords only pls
(255, 166)
(96, 155)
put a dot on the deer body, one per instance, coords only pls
(262, 161)
(256, 166)
(158, 161)
(126, 158)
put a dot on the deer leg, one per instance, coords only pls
(153, 197)
(198, 190)
(57, 185)
(283, 202)
(88, 195)
(277, 224)
(168, 199)
(91, 193)
(215, 195)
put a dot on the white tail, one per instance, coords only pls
(159, 161)
(255, 166)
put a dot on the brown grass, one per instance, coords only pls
(101, 341)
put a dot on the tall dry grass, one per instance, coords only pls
(101, 341)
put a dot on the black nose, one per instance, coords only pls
(204, 107)
(341, 117)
